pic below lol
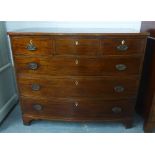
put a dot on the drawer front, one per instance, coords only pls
(78, 108)
(122, 46)
(68, 46)
(107, 87)
(111, 65)
(30, 45)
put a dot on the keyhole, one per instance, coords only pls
(76, 104)
(123, 42)
(76, 62)
(76, 83)
(76, 43)
(31, 42)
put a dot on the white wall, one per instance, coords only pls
(14, 25)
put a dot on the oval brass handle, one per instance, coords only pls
(33, 65)
(35, 87)
(31, 47)
(118, 89)
(116, 110)
(37, 107)
(122, 47)
(121, 67)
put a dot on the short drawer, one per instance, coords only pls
(106, 87)
(73, 46)
(111, 65)
(122, 46)
(32, 45)
(75, 108)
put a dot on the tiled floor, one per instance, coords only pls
(13, 124)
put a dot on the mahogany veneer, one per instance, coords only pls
(78, 76)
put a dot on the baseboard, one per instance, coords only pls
(7, 107)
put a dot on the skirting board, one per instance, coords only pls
(7, 107)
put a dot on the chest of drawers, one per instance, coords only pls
(78, 76)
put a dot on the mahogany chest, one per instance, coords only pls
(78, 76)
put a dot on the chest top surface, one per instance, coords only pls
(78, 31)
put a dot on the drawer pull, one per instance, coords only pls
(76, 43)
(118, 89)
(121, 67)
(76, 62)
(35, 87)
(76, 104)
(116, 110)
(33, 65)
(122, 47)
(37, 107)
(31, 46)
(76, 83)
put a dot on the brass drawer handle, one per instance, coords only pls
(122, 47)
(118, 89)
(33, 65)
(121, 67)
(35, 87)
(30, 46)
(37, 107)
(116, 110)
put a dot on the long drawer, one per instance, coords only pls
(106, 87)
(78, 66)
(74, 108)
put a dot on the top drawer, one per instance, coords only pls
(77, 46)
(122, 46)
(32, 45)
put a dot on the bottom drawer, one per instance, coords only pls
(73, 109)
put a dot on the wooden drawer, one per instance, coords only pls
(74, 109)
(122, 46)
(32, 45)
(72, 46)
(111, 65)
(106, 87)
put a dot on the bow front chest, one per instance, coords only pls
(78, 76)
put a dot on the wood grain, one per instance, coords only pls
(80, 87)
(87, 108)
(43, 44)
(109, 46)
(76, 46)
(78, 66)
